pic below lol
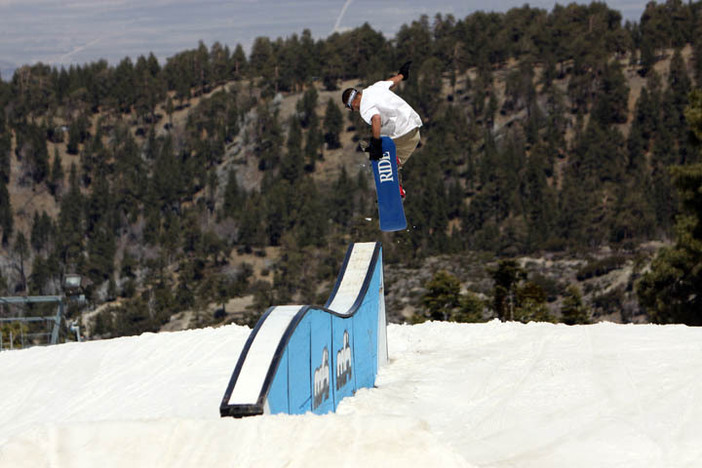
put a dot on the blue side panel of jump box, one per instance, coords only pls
(387, 185)
(322, 355)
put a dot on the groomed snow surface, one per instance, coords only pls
(493, 395)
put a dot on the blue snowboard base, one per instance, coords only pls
(390, 209)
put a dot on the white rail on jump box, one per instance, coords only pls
(302, 358)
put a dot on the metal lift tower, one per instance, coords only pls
(73, 285)
(23, 300)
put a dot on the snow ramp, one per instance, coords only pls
(303, 358)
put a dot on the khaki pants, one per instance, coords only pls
(406, 144)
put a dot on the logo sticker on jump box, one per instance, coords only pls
(321, 381)
(343, 363)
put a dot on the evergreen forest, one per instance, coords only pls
(214, 185)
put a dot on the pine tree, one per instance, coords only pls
(292, 165)
(573, 311)
(6, 216)
(333, 125)
(415, 40)
(538, 199)
(342, 199)
(652, 35)
(55, 182)
(428, 98)
(307, 106)
(332, 63)
(3, 285)
(5, 156)
(21, 251)
(101, 248)
(697, 55)
(611, 101)
(670, 291)
(506, 276)
(32, 151)
(531, 304)
(312, 219)
(239, 63)
(125, 85)
(99, 205)
(642, 128)
(268, 137)
(40, 276)
(634, 217)
(168, 182)
(442, 298)
(676, 98)
(219, 58)
(42, 233)
(251, 230)
(149, 90)
(71, 223)
(470, 309)
(313, 143)
(662, 192)
(130, 179)
(261, 61)
(280, 206)
(693, 113)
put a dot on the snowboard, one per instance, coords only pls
(390, 210)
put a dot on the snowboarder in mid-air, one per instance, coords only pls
(388, 115)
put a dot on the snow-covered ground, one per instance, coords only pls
(494, 394)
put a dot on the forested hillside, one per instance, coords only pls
(222, 175)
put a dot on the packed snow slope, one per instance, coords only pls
(494, 395)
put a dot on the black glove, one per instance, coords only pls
(375, 149)
(404, 70)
